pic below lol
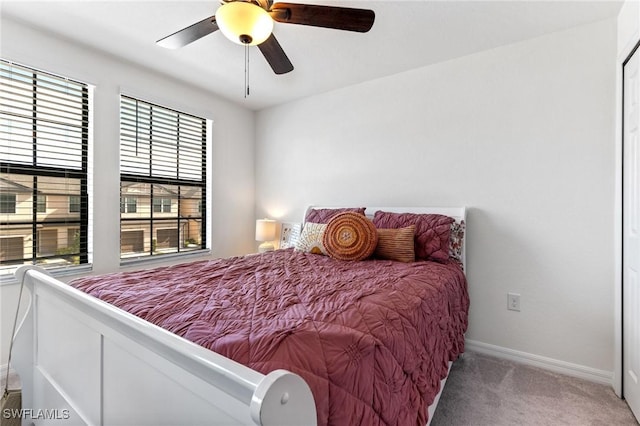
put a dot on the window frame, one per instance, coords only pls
(166, 207)
(42, 119)
(75, 204)
(41, 204)
(162, 205)
(126, 203)
(8, 203)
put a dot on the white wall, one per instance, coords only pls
(521, 134)
(232, 154)
(628, 27)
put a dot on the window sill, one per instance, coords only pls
(164, 258)
(9, 279)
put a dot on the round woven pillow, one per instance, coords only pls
(350, 236)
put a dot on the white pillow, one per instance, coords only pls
(310, 240)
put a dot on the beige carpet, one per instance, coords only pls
(14, 380)
(486, 391)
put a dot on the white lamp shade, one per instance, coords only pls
(265, 230)
(244, 23)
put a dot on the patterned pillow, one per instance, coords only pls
(310, 240)
(396, 244)
(432, 232)
(350, 236)
(325, 215)
(456, 240)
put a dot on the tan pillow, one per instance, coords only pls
(396, 244)
(310, 240)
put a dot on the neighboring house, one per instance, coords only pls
(146, 226)
(153, 225)
(55, 216)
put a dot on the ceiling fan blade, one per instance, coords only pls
(190, 34)
(340, 18)
(275, 56)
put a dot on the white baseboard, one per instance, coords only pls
(557, 366)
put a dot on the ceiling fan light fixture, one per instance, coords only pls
(244, 23)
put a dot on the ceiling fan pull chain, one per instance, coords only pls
(246, 70)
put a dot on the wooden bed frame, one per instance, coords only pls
(84, 361)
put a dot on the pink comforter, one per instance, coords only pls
(372, 338)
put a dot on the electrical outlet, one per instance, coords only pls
(513, 302)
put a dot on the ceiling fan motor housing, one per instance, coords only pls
(244, 22)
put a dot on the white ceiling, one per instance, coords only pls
(405, 35)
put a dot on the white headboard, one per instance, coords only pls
(458, 213)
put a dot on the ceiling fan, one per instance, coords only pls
(250, 23)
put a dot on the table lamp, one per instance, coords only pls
(265, 232)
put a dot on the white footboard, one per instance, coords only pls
(83, 361)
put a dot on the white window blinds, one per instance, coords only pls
(162, 180)
(44, 131)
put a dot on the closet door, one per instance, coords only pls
(630, 236)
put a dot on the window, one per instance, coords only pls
(8, 203)
(74, 204)
(162, 205)
(41, 203)
(44, 137)
(128, 205)
(162, 180)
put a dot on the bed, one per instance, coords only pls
(283, 337)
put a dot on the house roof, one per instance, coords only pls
(8, 186)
